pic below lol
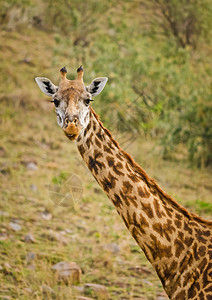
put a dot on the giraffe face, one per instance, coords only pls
(71, 99)
(72, 109)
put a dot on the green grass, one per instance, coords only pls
(29, 133)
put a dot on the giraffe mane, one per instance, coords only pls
(152, 184)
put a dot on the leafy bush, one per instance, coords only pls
(186, 20)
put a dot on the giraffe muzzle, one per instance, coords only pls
(72, 127)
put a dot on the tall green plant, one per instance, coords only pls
(186, 20)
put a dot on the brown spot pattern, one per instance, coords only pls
(117, 200)
(158, 211)
(100, 135)
(147, 209)
(81, 149)
(107, 149)
(116, 167)
(179, 247)
(109, 182)
(94, 164)
(97, 142)
(142, 191)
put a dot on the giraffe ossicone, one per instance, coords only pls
(177, 242)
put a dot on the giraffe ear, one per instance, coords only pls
(46, 86)
(97, 86)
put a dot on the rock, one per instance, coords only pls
(47, 289)
(7, 269)
(32, 199)
(33, 187)
(2, 151)
(7, 265)
(113, 248)
(78, 288)
(15, 226)
(32, 166)
(140, 270)
(68, 230)
(3, 213)
(3, 236)
(97, 290)
(146, 282)
(28, 290)
(161, 296)
(61, 238)
(46, 215)
(28, 238)
(31, 267)
(68, 272)
(56, 236)
(30, 256)
(84, 298)
(68, 276)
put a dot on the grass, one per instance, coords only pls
(29, 133)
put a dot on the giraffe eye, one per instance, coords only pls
(56, 102)
(87, 101)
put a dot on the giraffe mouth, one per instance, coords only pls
(72, 130)
(71, 136)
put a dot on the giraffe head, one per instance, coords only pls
(71, 99)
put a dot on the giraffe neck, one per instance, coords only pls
(173, 240)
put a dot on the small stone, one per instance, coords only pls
(47, 289)
(84, 298)
(7, 268)
(140, 270)
(29, 238)
(60, 238)
(7, 265)
(30, 256)
(28, 290)
(68, 272)
(112, 247)
(32, 166)
(78, 288)
(3, 236)
(56, 236)
(147, 282)
(161, 296)
(27, 60)
(32, 199)
(46, 215)
(15, 226)
(97, 290)
(33, 187)
(68, 230)
(3, 213)
(2, 151)
(31, 267)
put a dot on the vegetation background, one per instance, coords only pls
(158, 105)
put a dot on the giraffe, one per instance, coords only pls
(177, 243)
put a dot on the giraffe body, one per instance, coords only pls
(176, 242)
